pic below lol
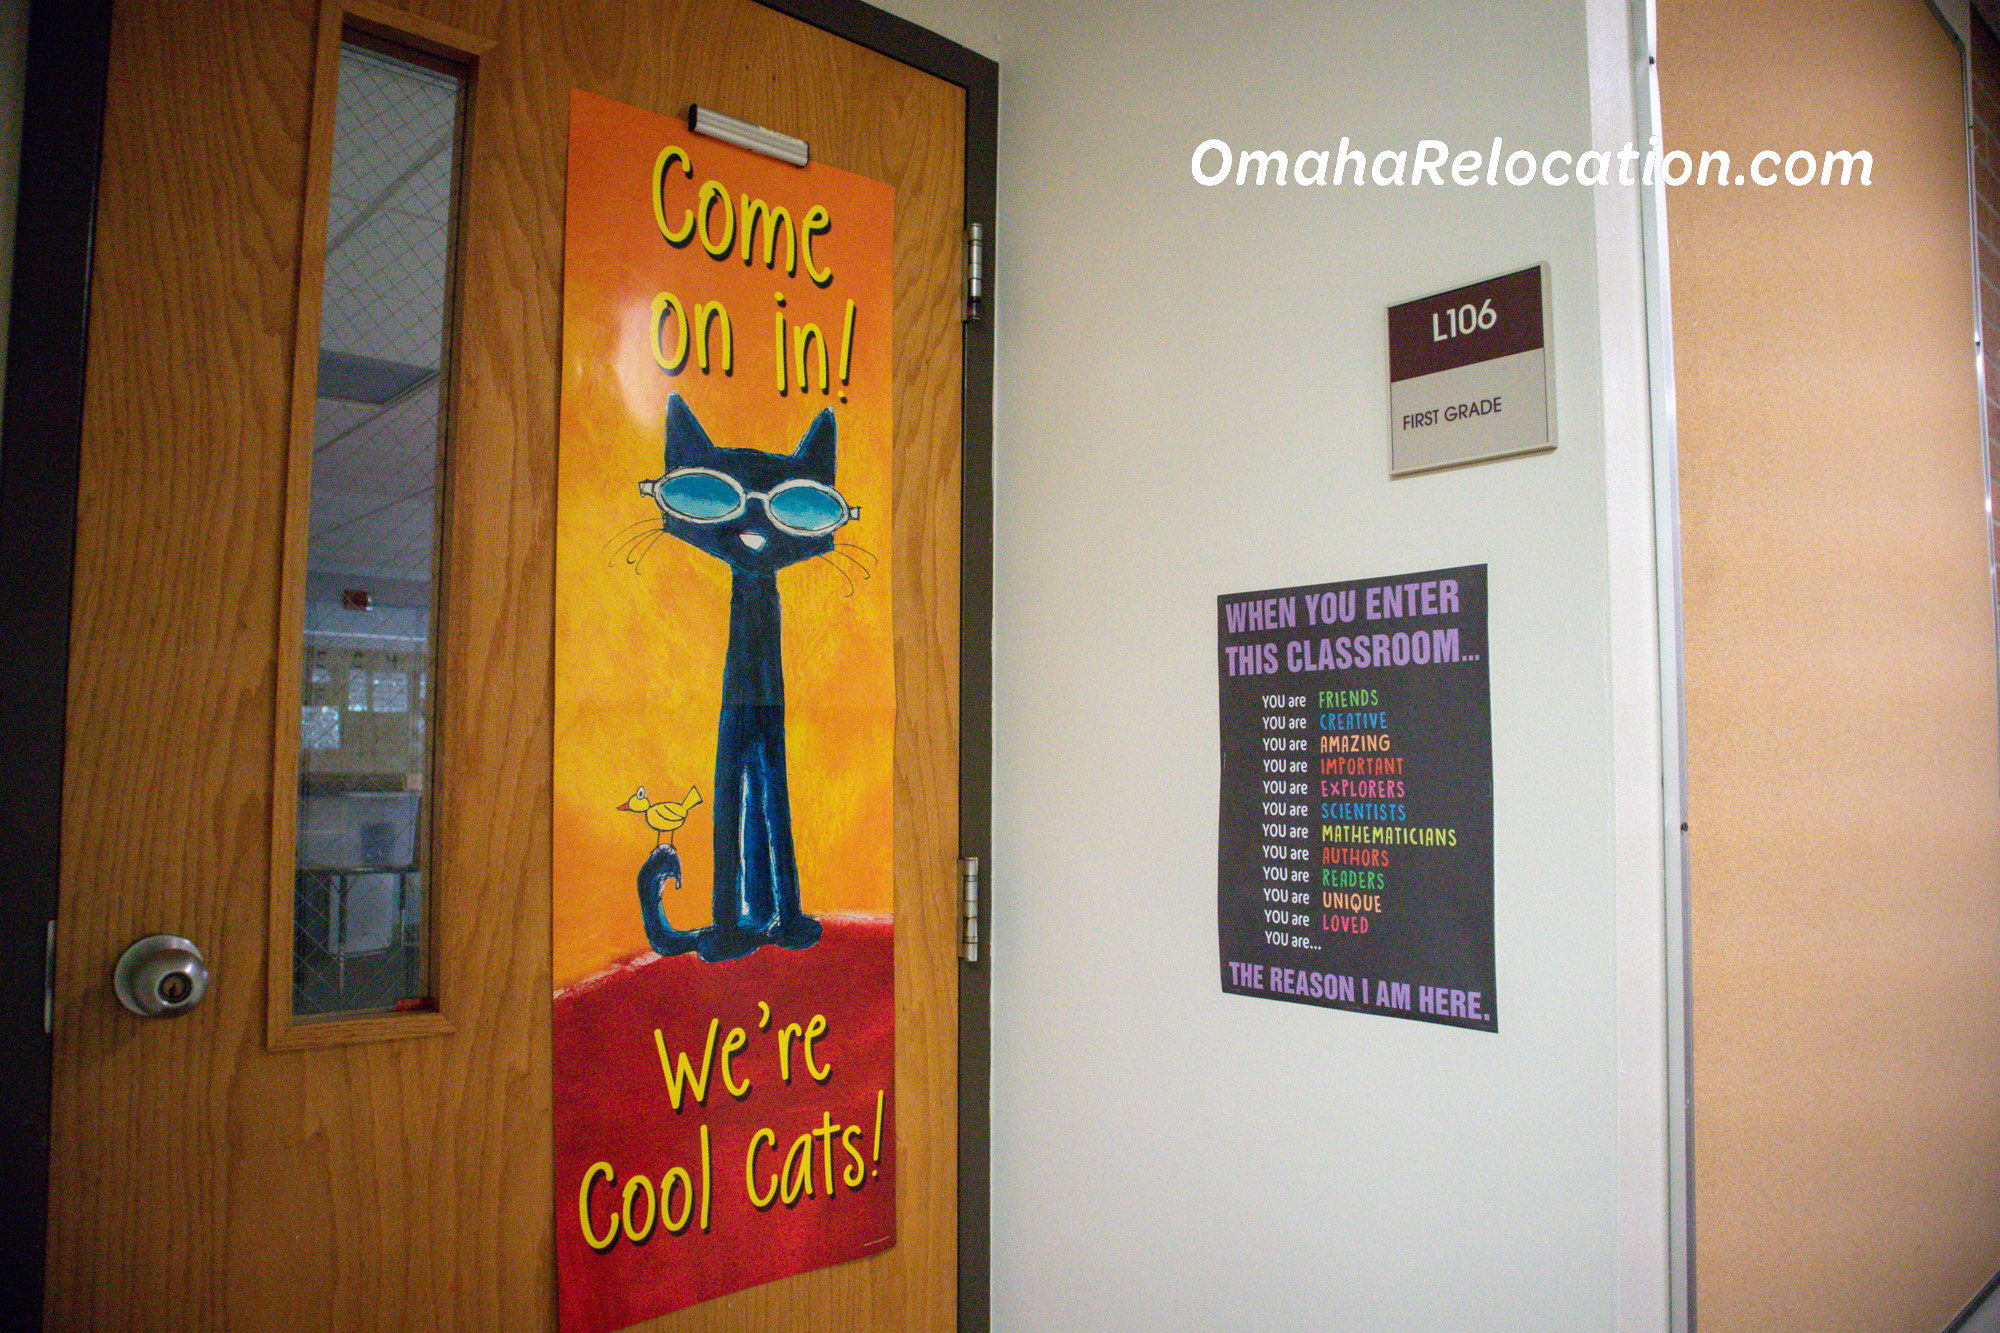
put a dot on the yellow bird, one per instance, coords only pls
(663, 817)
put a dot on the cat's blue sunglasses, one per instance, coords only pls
(702, 495)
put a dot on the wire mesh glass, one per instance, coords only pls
(367, 689)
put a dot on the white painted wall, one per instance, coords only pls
(1192, 401)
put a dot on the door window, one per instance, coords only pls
(360, 934)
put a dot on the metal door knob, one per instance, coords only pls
(160, 976)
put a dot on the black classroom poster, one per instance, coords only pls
(1356, 847)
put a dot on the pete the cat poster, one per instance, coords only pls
(724, 1035)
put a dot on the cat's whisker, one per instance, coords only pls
(859, 568)
(856, 546)
(637, 554)
(623, 546)
(626, 539)
(628, 532)
(649, 522)
(840, 571)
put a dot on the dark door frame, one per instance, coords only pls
(61, 132)
(61, 125)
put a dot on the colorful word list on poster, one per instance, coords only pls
(1356, 847)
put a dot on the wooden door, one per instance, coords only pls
(207, 1174)
(1843, 780)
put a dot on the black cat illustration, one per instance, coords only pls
(758, 513)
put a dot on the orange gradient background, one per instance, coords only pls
(641, 629)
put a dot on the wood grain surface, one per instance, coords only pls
(200, 1180)
(1844, 786)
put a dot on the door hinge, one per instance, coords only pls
(49, 979)
(975, 271)
(968, 917)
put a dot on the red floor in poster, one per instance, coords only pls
(784, 1059)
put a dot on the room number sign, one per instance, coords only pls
(1469, 374)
